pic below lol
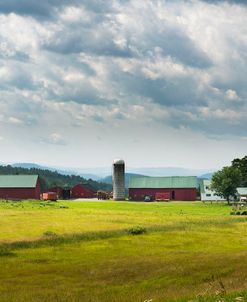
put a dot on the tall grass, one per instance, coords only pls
(88, 253)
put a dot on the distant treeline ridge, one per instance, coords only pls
(51, 179)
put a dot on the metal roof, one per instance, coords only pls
(242, 191)
(163, 182)
(18, 181)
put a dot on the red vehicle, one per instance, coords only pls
(162, 196)
(49, 196)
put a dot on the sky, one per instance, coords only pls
(158, 83)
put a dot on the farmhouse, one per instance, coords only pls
(82, 191)
(163, 188)
(207, 194)
(242, 194)
(19, 187)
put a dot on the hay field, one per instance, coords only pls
(84, 251)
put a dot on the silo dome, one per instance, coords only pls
(118, 162)
(118, 179)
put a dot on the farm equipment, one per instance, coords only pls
(239, 208)
(162, 196)
(148, 198)
(103, 195)
(52, 196)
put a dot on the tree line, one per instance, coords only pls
(226, 181)
(49, 179)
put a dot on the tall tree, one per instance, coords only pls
(241, 164)
(226, 181)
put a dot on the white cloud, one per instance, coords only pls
(54, 139)
(15, 120)
(116, 64)
(232, 95)
(74, 14)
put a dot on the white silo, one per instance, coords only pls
(118, 179)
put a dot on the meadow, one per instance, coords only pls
(121, 251)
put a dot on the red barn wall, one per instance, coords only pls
(21, 193)
(179, 194)
(79, 191)
(37, 189)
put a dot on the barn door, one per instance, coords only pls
(173, 195)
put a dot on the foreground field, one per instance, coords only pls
(84, 251)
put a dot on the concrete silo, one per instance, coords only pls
(118, 179)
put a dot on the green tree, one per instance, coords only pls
(226, 181)
(241, 164)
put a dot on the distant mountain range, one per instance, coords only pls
(169, 171)
(64, 171)
(102, 173)
(207, 175)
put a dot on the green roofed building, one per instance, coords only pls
(207, 194)
(242, 194)
(163, 188)
(19, 187)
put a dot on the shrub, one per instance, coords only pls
(63, 207)
(138, 230)
(5, 251)
(49, 234)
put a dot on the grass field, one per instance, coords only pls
(83, 251)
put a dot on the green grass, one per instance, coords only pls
(120, 251)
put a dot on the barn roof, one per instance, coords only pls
(172, 182)
(242, 191)
(18, 181)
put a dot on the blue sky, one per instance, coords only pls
(158, 83)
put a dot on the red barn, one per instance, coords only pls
(19, 187)
(82, 191)
(163, 188)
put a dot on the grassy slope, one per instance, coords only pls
(189, 249)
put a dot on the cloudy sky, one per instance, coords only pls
(158, 83)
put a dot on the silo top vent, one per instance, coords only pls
(118, 162)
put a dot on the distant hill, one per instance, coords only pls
(36, 166)
(168, 171)
(99, 173)
(207, 175)
(59, 170)
(53, 178)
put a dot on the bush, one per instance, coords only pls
(5, 251)
(63, 207)
(138, 230)
(49, 234)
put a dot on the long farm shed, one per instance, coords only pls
(19, 187)
(163, 188)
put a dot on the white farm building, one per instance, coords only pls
(242, 194)
(206, 193)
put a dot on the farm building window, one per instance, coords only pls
(208, 195)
